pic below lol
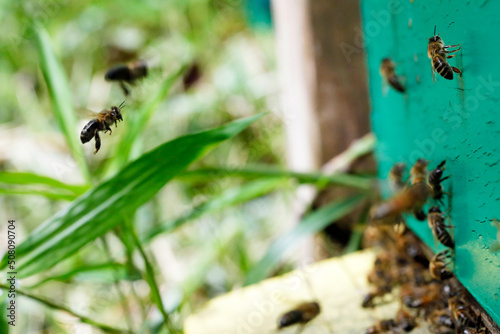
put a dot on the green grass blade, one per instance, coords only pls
(50, 194)
(105, 272)
(138, 119)
(310, 224)
(149, 275)
(60, 95)
(21, 178)
(340, 179)
(53, 305)
(107, 204)
(227, 198)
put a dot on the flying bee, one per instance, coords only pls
(410, 199)
(388, 72)
(301, 314)
(438, 266)
(101, 123)
(435, 219)
(128, 73)
(435, 178)
(438, 53)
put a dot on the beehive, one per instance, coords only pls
(457, 120)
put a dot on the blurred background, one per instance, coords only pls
(210, 62)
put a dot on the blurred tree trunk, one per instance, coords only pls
(324, 88)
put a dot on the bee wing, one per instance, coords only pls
(433, 74)
(86, 113)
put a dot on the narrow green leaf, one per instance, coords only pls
(105, 272)
(57, 195)
(60, 95)
(138, 119)
(229, 197)
(149, 275)
(53, 305)
(25, 178)
(107, 204)
(340, 179)
(310, 224)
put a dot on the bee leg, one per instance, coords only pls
(456, 70)
(444, 178)
(452, 46)
(126, 91)
(97, 142)
(108, 129)
(450, 56)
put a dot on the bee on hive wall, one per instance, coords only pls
(438, 53)
(388, 73)
(435, 219)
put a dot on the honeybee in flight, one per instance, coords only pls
(410, 199)
(435, 219)
(128, 73)
(438, 53)
(438, 266)
(101, 123)
(388, 72)
(301, 314)
(435, 178)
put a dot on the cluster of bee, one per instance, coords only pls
(411, 196)
(126, 75)
(427, 285)
(427, 288)
(437, 52)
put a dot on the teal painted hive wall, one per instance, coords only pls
(456, 120)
